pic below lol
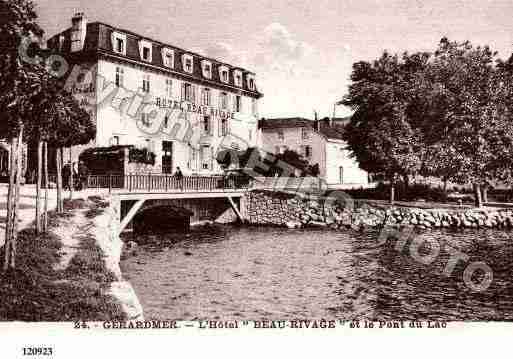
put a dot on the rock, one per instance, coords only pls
(126, 296)
(293, 224)
(317, 224)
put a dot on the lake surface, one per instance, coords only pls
(253, 273)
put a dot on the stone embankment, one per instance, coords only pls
(272, 208)
(106, 233)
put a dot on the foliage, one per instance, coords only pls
(141, 155)
(445, 114)
(383, 133)
(285, 163)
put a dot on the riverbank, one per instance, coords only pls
(70, 274)
(281, 209)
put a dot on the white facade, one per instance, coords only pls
(336, 166)
(340, 168)
(117, 125)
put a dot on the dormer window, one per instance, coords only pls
(168, 57)
(188, 65)
(251, 82)
(206, 67)
(145, 50)
(237, 78)
(223, 74)
(119, 43)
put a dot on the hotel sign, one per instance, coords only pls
(186, 106)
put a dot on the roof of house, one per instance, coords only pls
(333, 130)
(98, 39)
(288, 122)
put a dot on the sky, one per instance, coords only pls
(302, 51)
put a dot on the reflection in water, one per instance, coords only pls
(273, 273)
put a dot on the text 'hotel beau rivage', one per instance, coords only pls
(214, 97)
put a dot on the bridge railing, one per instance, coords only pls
(166, 183)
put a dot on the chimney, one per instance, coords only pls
(317, 124)
(78, 31)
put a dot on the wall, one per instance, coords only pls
(293, 140)
(273, 208)
(338, 156)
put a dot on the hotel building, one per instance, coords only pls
(178, 104)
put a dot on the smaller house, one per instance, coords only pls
(318, 141)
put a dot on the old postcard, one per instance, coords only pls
(325, 174)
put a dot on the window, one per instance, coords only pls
(119, 76)
(168, 57)
(251, 82)
(281, 135)
(188, 65)
(238, 104)
(254, 107)
(206, 97)
(120, 46)
(188, 92)
(206, 126)
(145, 50)
(146, 83)
(224, 100)
(223, 74)
(147, 144)
(224, 127)
(308, 151)
(119, 43)
(146, 53)
(207, 69)
(169, 88)
(114, 141)
(206, 161)
(237, 75)
(304, 133)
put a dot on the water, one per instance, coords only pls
(270, 273)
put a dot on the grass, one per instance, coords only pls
(37, 292)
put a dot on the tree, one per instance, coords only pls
(384, 133)
(19, 83)
(473, 128)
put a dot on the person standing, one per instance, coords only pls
(66, 176)
(83, 174)
(179, 176)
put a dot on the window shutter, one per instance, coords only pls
(193, 93)
(183, 91)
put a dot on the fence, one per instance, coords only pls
(167, 183)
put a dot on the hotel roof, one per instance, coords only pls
(98, 40)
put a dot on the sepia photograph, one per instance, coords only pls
(250, 166)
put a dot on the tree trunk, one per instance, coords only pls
(45, 221)
(71, 176)
(12, 201)
(58, 162)
(19, 168)
(479, 200)
(10, 207)
(38, 185)
(406, 180)
(392, 190)
(485, 194)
